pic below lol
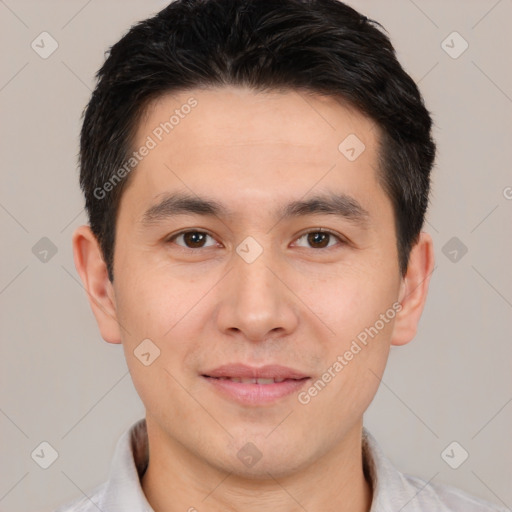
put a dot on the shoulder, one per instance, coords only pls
(90, 503)
(394, 490)
(122, 490)
(445, 498)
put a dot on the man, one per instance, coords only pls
(256, 176)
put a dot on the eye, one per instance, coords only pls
(316, 239)
(192, 239)
(320, 239)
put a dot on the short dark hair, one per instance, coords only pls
(315, 46)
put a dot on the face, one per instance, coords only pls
(248, 236)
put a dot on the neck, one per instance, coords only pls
(176, 480)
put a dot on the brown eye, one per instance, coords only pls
(191, 239)
(194, 239)
(319, 239)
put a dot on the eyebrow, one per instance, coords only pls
(339, 205)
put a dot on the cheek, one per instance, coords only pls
(358, 308)
(163, 310)
(348, 300)
(148, 306)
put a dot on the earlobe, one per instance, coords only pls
(92, 269)
(414, 290)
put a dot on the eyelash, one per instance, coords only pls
(340, 239)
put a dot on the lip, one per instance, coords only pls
(243, 371)
(255, 393)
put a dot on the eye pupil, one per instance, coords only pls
(318, 238)
(194, 238)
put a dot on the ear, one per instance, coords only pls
(413, 290)
(100, 291)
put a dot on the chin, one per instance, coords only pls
(258, 457)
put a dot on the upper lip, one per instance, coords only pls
(243, 371)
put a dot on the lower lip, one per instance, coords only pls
(255, 394)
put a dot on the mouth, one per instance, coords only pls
(268, 372)
(253, 380)
(255, 386)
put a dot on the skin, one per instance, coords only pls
(298, 304)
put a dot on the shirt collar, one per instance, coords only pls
(124, 491)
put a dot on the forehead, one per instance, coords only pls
(254, 148)
(238, 115)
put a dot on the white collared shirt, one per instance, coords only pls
(393, 491)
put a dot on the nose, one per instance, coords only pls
(255, 302)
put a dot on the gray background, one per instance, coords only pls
(61, 383)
